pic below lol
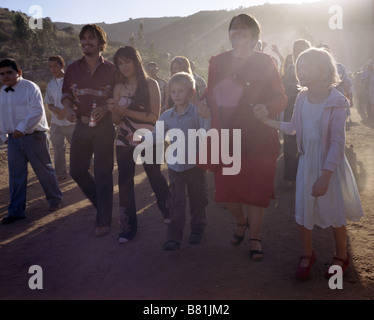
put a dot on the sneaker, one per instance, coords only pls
(196, 238)
(171, 246)
(101, 231)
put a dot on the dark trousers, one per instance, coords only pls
(194, 179)
(126, 172)
(97, 141)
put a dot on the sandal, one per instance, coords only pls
(259, 253)
(303, 272)
(236, 239)
(344, 267)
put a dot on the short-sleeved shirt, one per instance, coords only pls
(84, 88)
(53, 96)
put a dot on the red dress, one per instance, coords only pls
(235, 85)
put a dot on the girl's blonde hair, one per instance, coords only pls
(184, 78)
(322, 65)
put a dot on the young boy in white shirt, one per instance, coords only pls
(61, 128)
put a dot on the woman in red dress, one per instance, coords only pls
(238, 80)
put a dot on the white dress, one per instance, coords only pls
(342, 200)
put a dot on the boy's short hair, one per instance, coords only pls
(57, 59)
(9, 62)
(100, 33)
(322, 64)
(185, 78)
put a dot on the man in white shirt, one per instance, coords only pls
(61, 128)
(23, 126)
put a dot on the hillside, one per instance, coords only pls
(205, 33)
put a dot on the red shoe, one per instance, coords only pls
(303, 273)
(344, 267)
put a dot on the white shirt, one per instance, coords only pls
(53, 96)
(22, 109)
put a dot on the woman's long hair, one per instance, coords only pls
(142, 91)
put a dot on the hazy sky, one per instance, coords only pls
(111, 11)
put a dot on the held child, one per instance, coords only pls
(326, 191)
(184, 116)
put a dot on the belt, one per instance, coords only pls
(28, 134)
(36, 131)
(84, 119)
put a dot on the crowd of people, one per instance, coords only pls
(96, 104)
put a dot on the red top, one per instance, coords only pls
(235, 85)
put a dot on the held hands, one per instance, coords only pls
(322, 184)
(261, 112)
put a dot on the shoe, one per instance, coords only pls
(259, 253)
(196, 238)
(101, 231)
(61, 177)
(11, 219)
(344, 267)
(167, 220)
(171, 246)
(55, 207)
(303, 272)
(236, 239)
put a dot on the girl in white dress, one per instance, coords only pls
(326, 190)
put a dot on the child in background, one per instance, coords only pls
(326, 191)
(61, 128)
(184, 115)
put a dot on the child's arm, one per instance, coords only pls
(262, 113)
(322, 184)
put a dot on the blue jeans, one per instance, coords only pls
(126, 172)
(194, 180)
(33, 148)
(97, 141)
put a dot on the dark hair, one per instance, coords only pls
(9, 62)
(251, 23)
(100, 33)
(142, 92)
(57, 59)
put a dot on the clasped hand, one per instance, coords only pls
(261, 112)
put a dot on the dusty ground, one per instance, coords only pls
(77, 265)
